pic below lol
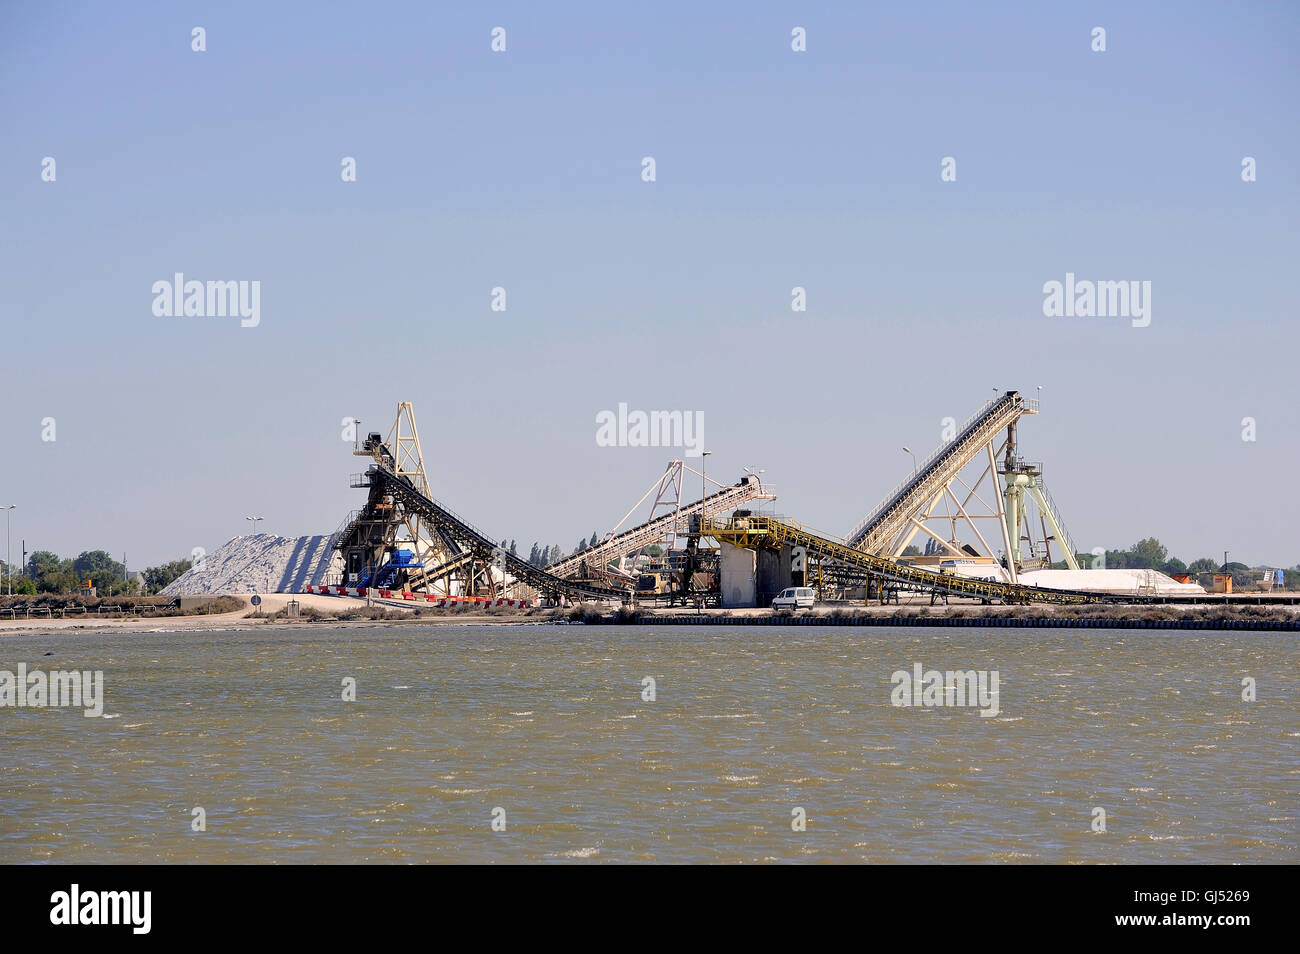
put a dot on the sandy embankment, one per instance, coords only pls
(331, 605)
(271, 603)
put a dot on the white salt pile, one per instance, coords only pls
(262, 563)
(1128, 581)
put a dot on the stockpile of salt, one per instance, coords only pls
(262, 563)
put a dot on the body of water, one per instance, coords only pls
(545, 730)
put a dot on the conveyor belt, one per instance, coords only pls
(728, 498)
(875, 531)
(766, 531)
(471, 539)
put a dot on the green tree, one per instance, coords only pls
(1203, 565)
(42, 562)
(65, 580)
(101, 569)
(1151, 551)
(912, 550)
(1175, 565)
(51, 574)
(16, 583)
(156, 577)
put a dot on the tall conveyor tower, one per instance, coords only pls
(405, 539)
(940, 491)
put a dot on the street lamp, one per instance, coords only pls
(254, 519)
(9, 570)
(914, 464)
(702, 489)
(700, 542)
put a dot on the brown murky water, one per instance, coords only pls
(749, 724)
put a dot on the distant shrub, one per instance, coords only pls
(374, 612)
(587, 613)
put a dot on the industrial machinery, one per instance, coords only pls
(836, 557)
(940, 493)
(403, 536)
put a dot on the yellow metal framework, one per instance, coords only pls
(758, 531)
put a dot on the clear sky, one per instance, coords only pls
(522, 169)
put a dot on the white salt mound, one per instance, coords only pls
(262, 563)
(1124, 581)
(1127, 581)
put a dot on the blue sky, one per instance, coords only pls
(522, 170)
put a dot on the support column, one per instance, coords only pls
(1002, 515)
(737, 567)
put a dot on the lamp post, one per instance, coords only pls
(254, 519)
(913, 456)
(9, 570)
(700, 542)
(702, 489)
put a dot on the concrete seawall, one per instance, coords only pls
(1010, 622)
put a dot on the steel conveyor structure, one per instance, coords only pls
(453, 554)
(755, 531)
(906, 506)
(471, 540)
(660, 528)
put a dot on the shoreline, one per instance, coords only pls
(987, 621)
(1166, 617)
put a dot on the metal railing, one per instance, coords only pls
(1056, 515)
(345, 527)
(1022, 464)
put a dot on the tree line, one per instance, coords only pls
(1151, 554)
(544, 556)
(47, 572)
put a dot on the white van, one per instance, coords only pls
(795, 597)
